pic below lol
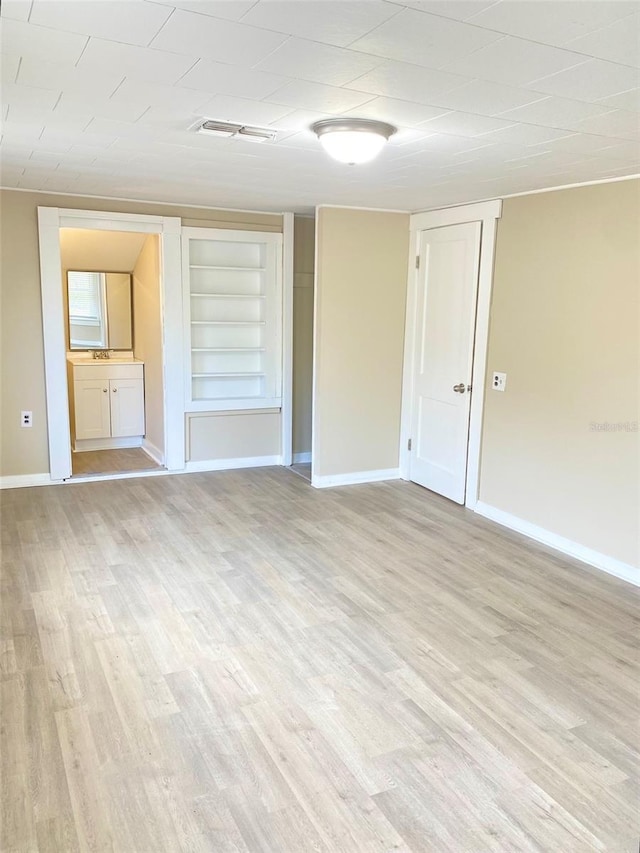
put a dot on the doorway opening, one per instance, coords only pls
(112, 397)
(113, 335)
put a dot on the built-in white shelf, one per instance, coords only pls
(227, 323)
(227, 375)
(243, 397)
(227, 349)
(225, 269)
(229, 295)
(233, 317)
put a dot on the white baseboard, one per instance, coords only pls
(355, 478)
(302, 457)
(107, 443)
(22, 481)
(230, 464)
(624, 571)
(125, 475)
(153, 452)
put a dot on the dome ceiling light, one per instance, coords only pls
(353, 140)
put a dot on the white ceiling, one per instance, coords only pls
(490, 98)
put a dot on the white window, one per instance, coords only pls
(85, 298)
(233, 316)
(87, 315)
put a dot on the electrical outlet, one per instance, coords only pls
(26, 419)
(499, 381)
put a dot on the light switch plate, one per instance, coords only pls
(499, 381)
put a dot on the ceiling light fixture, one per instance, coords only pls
(353, 140)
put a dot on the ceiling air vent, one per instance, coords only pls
(240, 131)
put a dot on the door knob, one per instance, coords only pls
(104, 390)
(460, 388)
(114, 390)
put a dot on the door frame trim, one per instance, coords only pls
(487, 213)
(50, 220)
(286, 413)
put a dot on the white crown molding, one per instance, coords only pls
(311, 215)
(593, 183)
(575, 186)
(147, 201)
(624, 571)
(356, 207)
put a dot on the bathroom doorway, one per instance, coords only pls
(113, 329)
(111, 295)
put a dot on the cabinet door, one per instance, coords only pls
(92, 408)
(127, 407)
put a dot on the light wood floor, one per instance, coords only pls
(302, 469)
(118, 461)
(236, 661)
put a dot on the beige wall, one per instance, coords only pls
(22, 451)
(147, 338)
(303, 266)
(234, 435)
(119, 303)
(361, 280)
(25, 451)
(565, 328)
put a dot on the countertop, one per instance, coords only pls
(88, 361)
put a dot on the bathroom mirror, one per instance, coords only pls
(100, 310)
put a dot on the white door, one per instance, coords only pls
(127, 407)
(91, 400)
(443, 357)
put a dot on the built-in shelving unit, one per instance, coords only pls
(233, 318)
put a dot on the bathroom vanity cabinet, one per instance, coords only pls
(107, 403)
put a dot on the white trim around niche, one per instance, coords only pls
(287, 338)
(488, 213)
(315, 448)
(624, 571)
(50, 220)
(55, 346)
